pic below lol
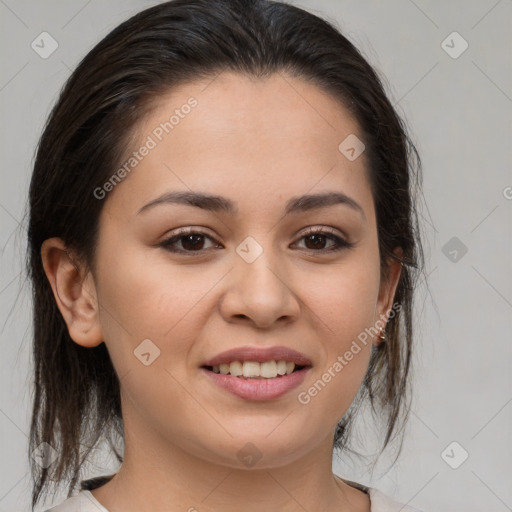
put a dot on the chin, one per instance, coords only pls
(260, 450)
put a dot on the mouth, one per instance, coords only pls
(258, 373)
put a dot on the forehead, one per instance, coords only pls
(277, 108)
(234, 133)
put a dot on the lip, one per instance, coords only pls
(259, 355)
(258, 389)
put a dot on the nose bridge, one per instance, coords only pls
(259, 288)
(258, 267)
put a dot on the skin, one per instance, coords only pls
(258, 142)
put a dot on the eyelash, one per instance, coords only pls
(340, 244)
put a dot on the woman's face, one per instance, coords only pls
(266, 266)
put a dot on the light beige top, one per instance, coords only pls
(84, 501)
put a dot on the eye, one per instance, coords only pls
(316, 238)
(191, 241)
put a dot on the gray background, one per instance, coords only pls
(458, 110)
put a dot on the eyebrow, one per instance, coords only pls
(216, 203)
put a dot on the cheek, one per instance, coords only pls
(345, 296)
(143, 299)
(344, 301)
(151, 318)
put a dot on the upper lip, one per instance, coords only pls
(259, 355)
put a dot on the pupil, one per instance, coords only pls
(193, 245)
(317, 238)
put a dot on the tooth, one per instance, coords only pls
(269, 369)
(281, 367)
(235, 368)
(251, 369)
(289, 368)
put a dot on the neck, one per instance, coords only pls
(158, 475)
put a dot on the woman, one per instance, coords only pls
(223, 248)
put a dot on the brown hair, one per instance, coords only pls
(77, 402)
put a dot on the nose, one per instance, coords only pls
(259, 292)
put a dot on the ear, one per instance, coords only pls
(388, 285)
(74, 291)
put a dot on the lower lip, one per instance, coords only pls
(258, 389)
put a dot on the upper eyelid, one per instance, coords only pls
(201, 230)
(322, 229)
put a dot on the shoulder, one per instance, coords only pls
(381, 502)
(84, 501)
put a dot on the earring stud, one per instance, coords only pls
(382, 336)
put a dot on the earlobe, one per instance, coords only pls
(388, 288)
(74, 292)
